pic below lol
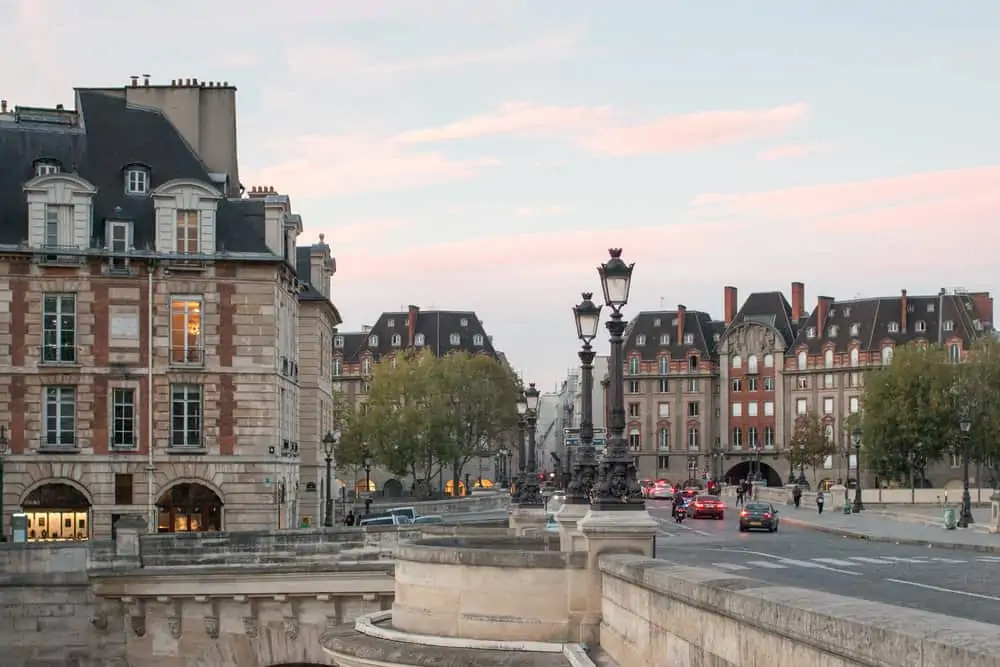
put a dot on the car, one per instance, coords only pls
(661, 493)
(759, 516)
(707, 507)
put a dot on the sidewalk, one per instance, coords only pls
(878, 527)
(932, 516)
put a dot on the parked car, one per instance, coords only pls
(759, 516)
(707, 507)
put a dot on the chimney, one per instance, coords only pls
(681, 311)
(145, 80)
(411, 324)
(902, 317)
(798, 300)
(135, 81)
(823, 304)
(3, 106)
(731, 298)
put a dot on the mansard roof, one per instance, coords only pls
(658, 329)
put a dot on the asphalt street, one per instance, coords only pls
(956, 583)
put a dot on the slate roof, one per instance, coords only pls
(770, 308)
(437, 326)
(110, 137)
(926, 317)
(351, 350)
(654, 324)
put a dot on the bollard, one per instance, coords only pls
(950, 520)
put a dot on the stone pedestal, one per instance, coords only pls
(570, 537)
(527, 520)
(608, 532)
(995, 513)
(128, 530)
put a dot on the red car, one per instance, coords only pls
(707, 507)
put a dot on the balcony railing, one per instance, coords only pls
(63, 442)
(57, 255)
(187, 356)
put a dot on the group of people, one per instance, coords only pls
(797, 498)
(745, 491)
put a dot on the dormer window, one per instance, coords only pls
(693, 362)
(886, 355)
(640, 339)
(688, 339)
(855, 329)
(338, 341)
(373, 341)
(119, 241)
(920, 326)
(186, 232)
(390, 323)
(418, 340)
(893, 327)
(397, 340)
(847, 311)
(977, 325)
(664, 339)
(464, 322)
(833, 331)
(477, 340)
(948, 325)
(185, 214)
(46, 167)
(811, 332)
(454, 339)
(930, 308)
(656, 322)
(136, 181)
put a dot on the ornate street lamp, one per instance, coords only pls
(367, 458)
(802, 481)
(529, 490)
(588, 317)
(858, 505)
(965, 518)
(522, 454)
(617, 487)
(330, 441)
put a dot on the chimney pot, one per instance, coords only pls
(681, 311)
(59, 107)
(798, 300)
(145, 80)
(225, 84)
(3, 106)
(187, 82)
(730, 303)
(194, 82)
(135, 81)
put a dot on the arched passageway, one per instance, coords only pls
(747, 469)
(57, 511)
(189, 507)
(393, 488)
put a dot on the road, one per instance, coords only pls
(956, 583)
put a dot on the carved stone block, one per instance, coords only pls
(291, 627)
(212, 626)
(174, 624)
(250, 626)
(139, 625)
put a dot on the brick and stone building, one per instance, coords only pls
(150, 360)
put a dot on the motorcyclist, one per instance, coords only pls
(678, 502)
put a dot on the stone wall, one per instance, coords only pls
(658, 613)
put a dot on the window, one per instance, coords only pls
(123, 489)
(887, 355)
(633, 366)
(338, 367)
(633, 409)
(737, 437)
(948, 325)
(768, 408)
(688, 339)
(366, 366)
(338, 341)
(769, 437)
(477, 340)
(663, 365)
(954, 353)
(752, 383)
(847, 311)
(365, 388)
(802, 382)
(893, 327)
(855, 357)
(185, 331)
(185, 425)
(663, 410)
(930, 308)
(828, 359)
(656, 322)
(801, 406)
(956, 460)
(752, 439)
(634, 439)
(58, 225)
(737, 409)
(46, 168)
(692, 385)
(633, 386)
(855, 329)
(768, 383)
(397, 340)
(920, 326)
(663, 439)
(829, 381)
(391, 323)
(768, 360)
(418, 340)
(811, 332)
(373, 340)
(737, 362)
(828, 406)
(803, 360)
(59, 328)
(464, 322)
(854, 380)
(60, 417)
(737, 385)
(119, 236)
(664, 387)
(662, 462)
(752, 409)
(664, 339)
(455, 339)
(694, 438)
(123, 418)
(854, 404)
(752, 363)
(640, 339)
(187, 232)
(832, 331)
(136, 181)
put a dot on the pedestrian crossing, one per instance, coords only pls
(848, 563)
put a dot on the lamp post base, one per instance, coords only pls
(965, 518)
(527, 519)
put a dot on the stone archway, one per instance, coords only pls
(57, 510)
(272, 647)
(189, 506)
(393, 488)
(745, 470)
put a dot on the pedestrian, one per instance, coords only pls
(819, 501)
(739, 495)
(797, 496)
(349, 519)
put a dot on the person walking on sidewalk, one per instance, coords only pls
(797, 496)
(819, 501)
(739, 495)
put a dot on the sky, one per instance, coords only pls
(485, 155)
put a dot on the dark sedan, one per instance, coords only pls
(759, 516)
(707, 507)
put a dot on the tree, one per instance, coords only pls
(980, 378)
(809, 445)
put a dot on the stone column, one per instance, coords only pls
(128, 532)
(525, 519)
(570, 538)
(995, 515)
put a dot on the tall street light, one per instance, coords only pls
(530, 493)
(4, 451)
(858, 505)
(588, 317)
(802, 481)
(617, 487)
(522, 455)
(965, 516)
(329, 446)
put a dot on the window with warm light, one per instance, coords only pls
(186, 330)
(187, 232)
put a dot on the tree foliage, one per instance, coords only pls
(809, 444)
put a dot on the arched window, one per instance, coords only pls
(633, 366)
(634, 439)
(664, 365)
(887, 355)
(418, 340)
(803, 360)
(768, 360)
(855, 357)
(752, 363)
(737, 361)
(663, 438)
(828, 359)
(694, 440)
(954, 353)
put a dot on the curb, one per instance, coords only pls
(843, 532)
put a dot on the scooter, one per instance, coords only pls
(680, 513)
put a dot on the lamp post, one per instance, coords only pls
(858, 505)
(368, 470)
(965, 515)
(4, 451)
(717, 457)
(588, 317)
(329, 446)
(617, 487)
(801, 481)
(522, 455)
(529, 490)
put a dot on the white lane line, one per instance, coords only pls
(940, 589)
(732, 567)
(865, 559)
(835, 561)
(816, 566)
(988, 559)
(948, 560)
(766, 564)
(894, 559)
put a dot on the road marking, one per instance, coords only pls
(766, 564)
(894, 559)
(865, 559)
(815, 566)
(732, 567)
(948, 560)
(941, 589)
(835, 561)
(989, 559)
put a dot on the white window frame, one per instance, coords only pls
(59, 231)
(186, 223)
(338, 366)
(397, 340)
(736, 361)
(693, 409)
(664, 339)
(887, 352)
(391, 323)
(768, 437)
(768, 360)
(664, 386)
(854, 405)
(954, 353)
(768, 383)
(663, 365)
(694, 437)
(418, 340)
(59, 325)
(338, 342)
(124, 418)
(752, 364)
(373, 340)
(60, 417)
(663, 410)
(752, 409)
(753, 438)
(640, 339)
(802, 360)
(189, 431)
(737, 437)
(119, 225)
(948, 325)
(45, 168)
(768, 408)
(855, 357)
(663, 439)
(828, 405)
(829, 381)
(464, 322)
(688, 339)
(633, 366)
(136, 181)
(737, 409)
(855, 329)
(801, 406)
(634, 439)
(893, 327)
(455, 339)
(366, 366)
(920, 326)
(191, 351)
(828, 359)
(477, 340)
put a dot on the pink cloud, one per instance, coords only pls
(326, 166)
(365, 231)
(684, 132)
(792, 151)
(513, 118)
(840, 198)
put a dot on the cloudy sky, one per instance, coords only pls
(483, 155)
